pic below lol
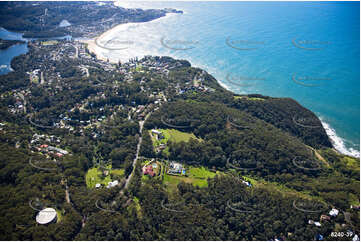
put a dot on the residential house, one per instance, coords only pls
(334, 212)
(112, 184)
(175, 168)
(148, 170)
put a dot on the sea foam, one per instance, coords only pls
(338, 142)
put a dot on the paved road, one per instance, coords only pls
(87, 71)
(76, 52)
(67, 196)
(141, 124)
(24, 100)
(42, 80)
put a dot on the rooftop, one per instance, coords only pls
(46, 216)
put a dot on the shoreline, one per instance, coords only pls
(94, 47)
(337, 142)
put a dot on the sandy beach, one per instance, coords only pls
(117, 42)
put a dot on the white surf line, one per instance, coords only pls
(338, 142)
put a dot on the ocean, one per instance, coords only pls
(309, 51)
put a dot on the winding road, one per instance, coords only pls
(141, 124)
(24, 100)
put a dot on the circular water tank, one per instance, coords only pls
(46, 216)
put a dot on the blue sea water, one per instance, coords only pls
(309, 51)
(8, 54)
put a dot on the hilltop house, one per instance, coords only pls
(158, 134)
(112, 184)
(247, 183)
(148, 170)
(176, 168)
(333, 212)
(154, 131)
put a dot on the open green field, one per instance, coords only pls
(284, 190)
(200, 172)
(170, 134)
(119, 172)
(255, 99)
(173, 135)
(93, 176)
(249, 98)
(50, 42)
(177, 136)
(196, 175)
(238, 97)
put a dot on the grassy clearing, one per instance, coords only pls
(173, 135)
(239, 97)
(119, 172)
(200, 172)
(288, 192)
(285, 191)
(256, 99)
(59, 216)
(253, 181)
(196, 175)
(93, 176)
(249, 98)
(178, 136)
(171, 182)
(50, 42)
(146, 162)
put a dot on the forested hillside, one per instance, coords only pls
(93, 140)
